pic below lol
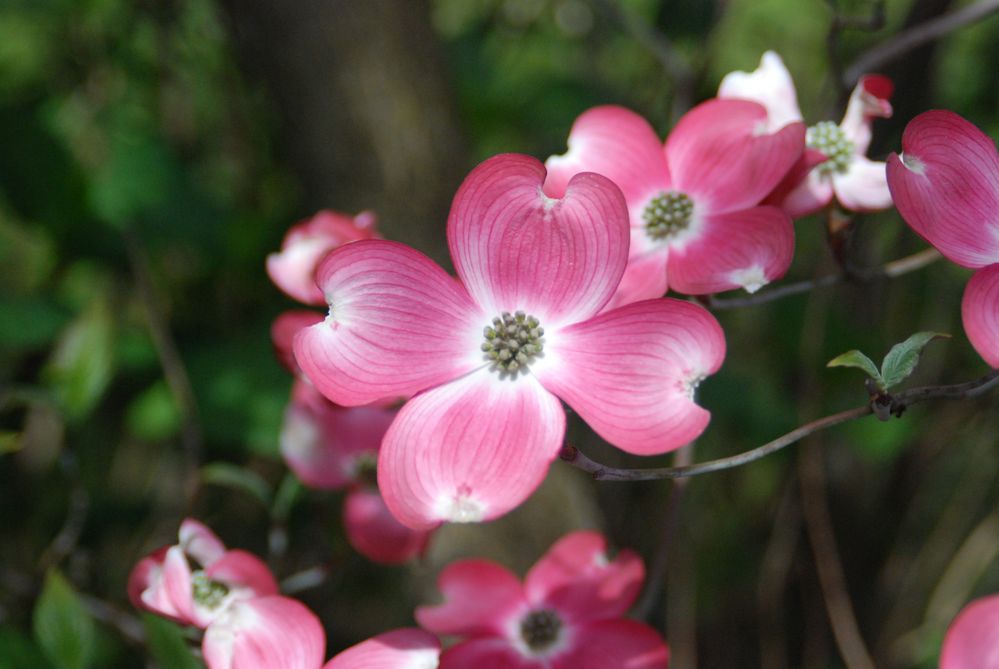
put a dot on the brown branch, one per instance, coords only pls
(907, 40)
(895, 404)
(174, 370)
(890, 270)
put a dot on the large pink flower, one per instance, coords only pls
(491, 355)
(333, 447)
(566, 615)
(293, 268)
(972, 640)
(845, 173)
(695, 224)
(165, 584)
(946, 186)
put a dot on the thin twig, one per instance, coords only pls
(78, 507)
(174, 370)
(916, 36)
(896, 405)
(890, 270)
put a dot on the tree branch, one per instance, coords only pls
(892, 405)
(916, 36)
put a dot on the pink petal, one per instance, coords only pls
(721, 156)
(480, 598)
(399, 649)
(198, 541)
(240, 568)
(147, 590)
(324, 444)
(375, 533)
(811, 194)
(470, 450)
(293, 269)
(517, 249)
(617, 143)
(972, 640)
(645, 278)
(622, 644)
(283, 331)
(742, 249)
(868, 100)
(266, 633)
(176, 588)
(795, 176)
(980, 312)
(630, 373)
(864, 187)
(488, 653)
(577, 578)
(770, 85)
(398, 324)
(946, 186)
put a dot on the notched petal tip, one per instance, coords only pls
(912, 163)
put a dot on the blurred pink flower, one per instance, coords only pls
(307, 242)
(568, 613)
(972, 640)
(165, 584)
(265, 633)
(946, 186)
(835, 164)
(491, 355)
(695, 221)
(333, 447)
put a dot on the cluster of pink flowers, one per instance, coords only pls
(449, 390)
(567, 614)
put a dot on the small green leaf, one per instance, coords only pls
(82, 363)
(167, 644)
(18, 651)
(63, 628)
(232, 476)
(903, 357)
(857, 359)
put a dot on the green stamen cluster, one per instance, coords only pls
(829, 138)
(539, 629)
(513, 340)
(207, 592)
(668, 214)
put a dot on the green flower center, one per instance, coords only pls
(668, 214)
(540, 629)
(512, 341)
(207, 592)
(829, 138)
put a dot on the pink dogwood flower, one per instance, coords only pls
(568, 613)
(972, 640)
(843, 171)
(332, 447)
(695, 223)
(487, 358)
(398, 649)
(293, 268)
(164, 582)
(946, 186)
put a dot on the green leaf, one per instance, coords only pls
(154, 414)
(857, 359)
(167, 644)
(62, 626)
(18, 651)
(902, 359)
(232, 476)
(82, 363)
(10, 441)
